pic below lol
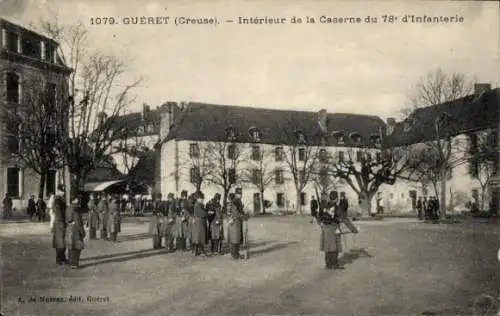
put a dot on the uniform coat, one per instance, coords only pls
(114, 217)
(199, 228)
(75, 229)
(216, 225)
(103, 209)
(59, 229)
(181, 224)
(190, 216)
(93, 215)
(168, 226)
(235, 228)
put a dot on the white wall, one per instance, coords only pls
(170, 165)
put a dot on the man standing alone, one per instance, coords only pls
(59, 226)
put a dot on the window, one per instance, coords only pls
(50, 182)
(302, 198)
(194, 151)
(301, 138)
(340, 156)
(49, 52)
(256, 176)
(323, 155)
(475, 194)
(359, 156)
(254, 134)
(140, 130)
(231, 175)
(256, 153)
(368, 157)
(31, 47)
(302, 175)
(13, 132)
(13, 87)
(280, 199)
(302, 154)
(341, 140)
(378, 157)
(402, 195)
(194, 175)
(13, 182)
(12, 38)
(150, 128)
(230, 134)
(231, 151)
(278, 176)
(51, 96)
(279, 154)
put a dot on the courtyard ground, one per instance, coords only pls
(393, 267)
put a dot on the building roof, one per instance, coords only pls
(208, 122)
(7, 23)
(470, 113)
(132, 121)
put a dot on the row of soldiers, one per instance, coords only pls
(104, 215)
(428, 209)
(187, 223)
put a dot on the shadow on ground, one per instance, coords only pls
(272, 248)
(354, 254)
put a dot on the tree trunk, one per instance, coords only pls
(442, 203)
(483, 198)
(366, 203)
(298, 206)
(262, 206)
(224, 201)
(41, 187)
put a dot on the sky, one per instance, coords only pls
(366, 68)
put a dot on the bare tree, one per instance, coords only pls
(323, 178)
(131, 149)
(96, 100)
(482, 158)
(260, 172)
(34, 126)
(224, 159)
(199, 163)
(366, 169)
(302, 161)
(436, 88)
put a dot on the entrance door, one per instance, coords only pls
(413, 196)
(256, 203)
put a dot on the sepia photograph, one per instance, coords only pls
(216, 157)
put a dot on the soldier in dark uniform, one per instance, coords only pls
(235, 229)
(199, 225)
(169, 222)
(420, 208)
(114, 218)
(190, 215)
(155, 229)
(215, 219)
(314, 208)
(59, 229)
(181, 224)
(93, 217)
(103, 209)
(75, 231)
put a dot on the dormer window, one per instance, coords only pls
(140, 130)
(230, 134)
(339, 137)
(255, 134)
(301, 139)
(356, 138)
(375, 140)
(150, 128)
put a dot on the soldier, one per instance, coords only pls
(216, 224)
(115, 218)
(76, 232)
(199, 226)
(93, 217)
(41, 208)
(169, 222)
(155, 229)
(181, 225)
(190, 215)
(420, 207)
(103, 209)
(59, 226)
(314, 209)
(330, 241)
(235, 229)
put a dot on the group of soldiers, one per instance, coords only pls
(188, 223)
(104, 215)
(428, 209)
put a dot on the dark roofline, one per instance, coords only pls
(24, 29)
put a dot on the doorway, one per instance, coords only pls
(256, 203)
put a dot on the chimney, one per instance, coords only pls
(480, 88)
(391, 124)
(322, 114)
(145, 109)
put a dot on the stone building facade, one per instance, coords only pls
(25, 57)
